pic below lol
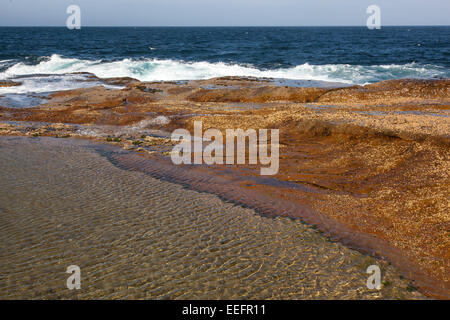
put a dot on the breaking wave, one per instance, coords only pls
(159, 70)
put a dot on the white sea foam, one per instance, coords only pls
(160, 120)
(3, 62)
(159, 70)
(51, 83)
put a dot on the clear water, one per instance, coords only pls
(137, 237)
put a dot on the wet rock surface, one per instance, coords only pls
(375, 156)
(7, 83)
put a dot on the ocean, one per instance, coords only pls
(41, 58)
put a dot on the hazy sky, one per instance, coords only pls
(223, 12)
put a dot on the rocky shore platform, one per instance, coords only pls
(367, 165)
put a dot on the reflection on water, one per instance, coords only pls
(133, 236)
(16, 100)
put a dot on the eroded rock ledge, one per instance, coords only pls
(375, 158)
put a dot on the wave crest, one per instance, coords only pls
(164, 70)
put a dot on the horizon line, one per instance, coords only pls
(219, 26)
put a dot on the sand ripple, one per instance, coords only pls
(62, 203)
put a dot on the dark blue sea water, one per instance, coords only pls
(352, 55)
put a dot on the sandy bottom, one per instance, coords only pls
(62, 202)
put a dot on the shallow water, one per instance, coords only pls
(35, 90)
(62, 202)
(19, 100)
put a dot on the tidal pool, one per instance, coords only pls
(62, 203)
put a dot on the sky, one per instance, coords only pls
(223, 12)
